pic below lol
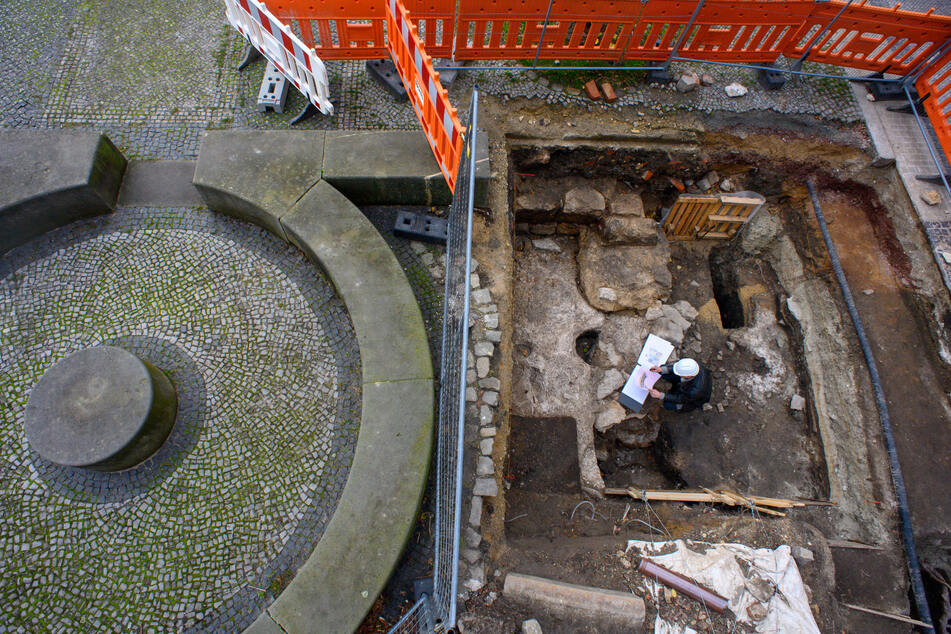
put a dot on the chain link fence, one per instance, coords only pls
(437, 613)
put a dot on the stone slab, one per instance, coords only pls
(49, 178)
(375, 515)
(610, 608)
(159, 184)
(394, 167)
(389, 326)
(257, 176)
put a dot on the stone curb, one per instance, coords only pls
(380, 168)
(378, 507)
(251, 176)
(51, 178)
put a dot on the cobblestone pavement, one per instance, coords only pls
(261, 351)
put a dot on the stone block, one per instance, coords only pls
(486, 487)
(475, 511)
(258, 176)
(485, 466)
(688, 82)
(604, 609)
(486, 446)
(52, 178)
(629, 230)
(627, 205)
(394, 167)
(583, 201)
(484, 348)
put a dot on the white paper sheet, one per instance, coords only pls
(656, 351)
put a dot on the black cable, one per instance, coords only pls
(914, 570)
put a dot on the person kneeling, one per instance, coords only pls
(691, 385)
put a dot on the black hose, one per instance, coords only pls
(906, 528)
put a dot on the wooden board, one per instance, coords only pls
(694, 217)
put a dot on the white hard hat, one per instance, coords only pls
(686, 368)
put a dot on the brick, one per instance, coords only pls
(609, 94)
(676, 182)
(591, 89)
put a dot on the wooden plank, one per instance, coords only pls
(716, 235)
(888, 615)
(740, 200)
(720, 218)
(844, 543)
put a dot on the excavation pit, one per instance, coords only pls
(587, 224)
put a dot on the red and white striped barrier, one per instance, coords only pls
(429, 98)
(285, 50)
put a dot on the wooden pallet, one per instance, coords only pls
(696, 217)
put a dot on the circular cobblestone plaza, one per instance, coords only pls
(262, 354)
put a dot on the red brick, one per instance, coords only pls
(592, 89)
(647, 175)
(676, 183)
(608, 91)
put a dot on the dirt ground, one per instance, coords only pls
(543, 524)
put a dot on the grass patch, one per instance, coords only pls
(575, 74)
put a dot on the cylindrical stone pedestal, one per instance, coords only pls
(101, 408)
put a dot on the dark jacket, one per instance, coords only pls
(687, 395)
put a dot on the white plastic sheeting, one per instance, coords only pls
(763, 586)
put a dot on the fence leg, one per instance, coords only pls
(664, 75)
(251, 54)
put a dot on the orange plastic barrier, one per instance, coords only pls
(871, 38)
(609, 29)
(936, 81)
(429, 98)
(354, 29)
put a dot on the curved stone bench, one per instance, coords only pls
(274, 180)
(50, 178)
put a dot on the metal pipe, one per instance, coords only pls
(637, 22)
(925, 64)
(683, 585)
(680, 38)
(542, 39)
(460, 441)
(906, 528)
(784, 70)
(822, 33)
(924, 133)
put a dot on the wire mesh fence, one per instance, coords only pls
(438, 612)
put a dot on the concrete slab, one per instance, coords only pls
(159, 184)
(51, 178)
(389, 326)
(394, 167)
(375, 515)
(258, 176)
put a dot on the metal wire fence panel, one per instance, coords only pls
(439, 612)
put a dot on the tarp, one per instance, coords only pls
(765, 580)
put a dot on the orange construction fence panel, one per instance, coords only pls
(870, 38)
(429, 98)
(936, 82)
(355, 29)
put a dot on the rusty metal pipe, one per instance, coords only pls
(682, 584)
